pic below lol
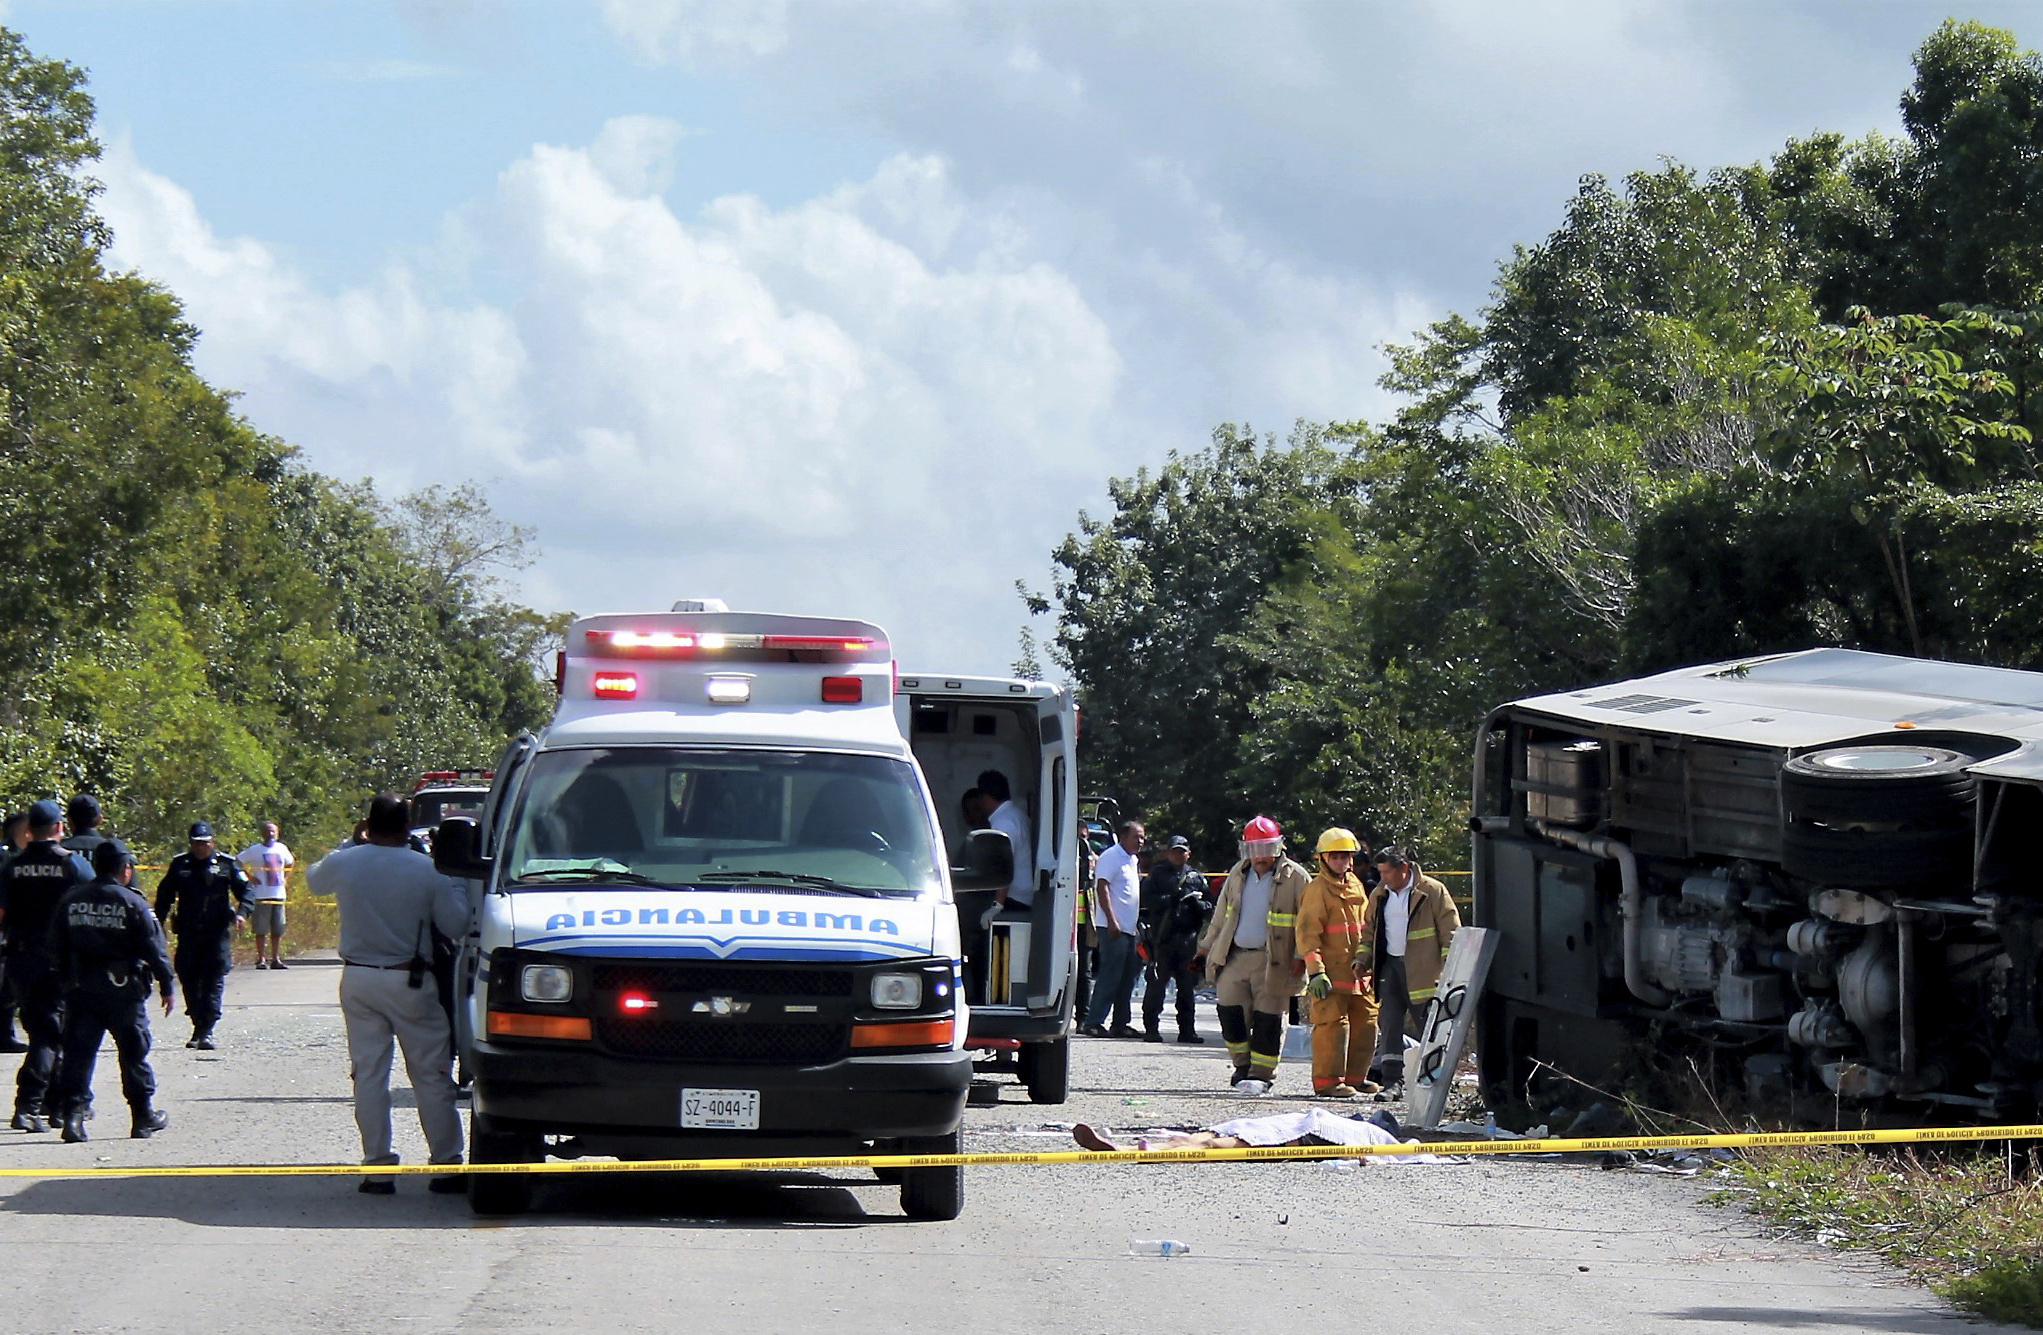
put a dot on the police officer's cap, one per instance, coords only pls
(110, 857)
(45, 815)
(84, 810)
(200, 830)
(1179, 841)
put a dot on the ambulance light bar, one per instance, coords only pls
(692, 644)
(434, 776)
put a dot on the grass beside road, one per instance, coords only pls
(309, 924)
(1966, 1220)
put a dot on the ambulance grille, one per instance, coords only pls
(731, 980)
(721, 1041)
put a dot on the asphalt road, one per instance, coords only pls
(1488, 1246)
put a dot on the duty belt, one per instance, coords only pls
(357, 964)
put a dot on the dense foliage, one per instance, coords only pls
(1711, 415)
(199, 627)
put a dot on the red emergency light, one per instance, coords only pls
(614, 686)
(636, 1003)
(431, 777)
(843, 690)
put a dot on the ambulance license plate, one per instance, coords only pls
(720, 1110)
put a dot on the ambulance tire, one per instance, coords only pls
(499, 1193)
(933, 1193)
(1046, 1070)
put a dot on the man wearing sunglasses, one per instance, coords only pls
(1412, 923)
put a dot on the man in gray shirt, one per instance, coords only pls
(390, 900)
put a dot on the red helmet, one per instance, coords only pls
(1261, 838)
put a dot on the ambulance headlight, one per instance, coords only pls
(546, 982)
(897, 991)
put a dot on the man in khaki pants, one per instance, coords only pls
(1249, 953)
(390, 901)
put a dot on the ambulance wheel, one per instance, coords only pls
(499, 1193)
(1046, 1070)
(933, 1193)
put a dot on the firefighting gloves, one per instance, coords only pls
(1320, 986)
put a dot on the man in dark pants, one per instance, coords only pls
(30, 887)
(105, 945)
(204, 896)
(1174, 909)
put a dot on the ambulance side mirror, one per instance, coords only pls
(989, 862)
(457, 849)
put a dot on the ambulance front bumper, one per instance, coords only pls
(558, 1091)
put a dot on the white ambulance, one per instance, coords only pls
(713, 914)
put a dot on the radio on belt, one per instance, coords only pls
(715, 917)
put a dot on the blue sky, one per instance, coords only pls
(851, 307)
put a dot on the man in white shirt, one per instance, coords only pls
(1412, 925)
(1117, 904)
(268, 863)
(1008, 818)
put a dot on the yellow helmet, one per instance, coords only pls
(1338, 840)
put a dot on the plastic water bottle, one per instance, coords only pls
(1158, 1247)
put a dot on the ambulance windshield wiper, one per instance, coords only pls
(793, 878)
(591, 874)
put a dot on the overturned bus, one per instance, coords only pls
(1816, 867)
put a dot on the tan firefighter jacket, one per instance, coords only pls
(1333, 918)
(1287, 883)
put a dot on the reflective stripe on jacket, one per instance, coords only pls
(1287, 883)
(1333, 918)
(1433, 921)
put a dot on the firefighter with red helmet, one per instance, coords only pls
(1249, 953)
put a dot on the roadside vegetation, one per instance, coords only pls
(1968, 1221)
(199, 626)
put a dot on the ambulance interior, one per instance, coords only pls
(955, 741)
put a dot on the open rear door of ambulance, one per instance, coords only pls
(959, 728)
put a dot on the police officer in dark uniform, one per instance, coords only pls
(82, 818)
(106, 945)
(1174, 911)
(203, 897)
(30, 887)
(13, 838)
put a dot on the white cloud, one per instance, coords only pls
(687, 32)
(847, 403)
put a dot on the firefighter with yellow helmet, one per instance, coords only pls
(1248, 951)
(1332, 939)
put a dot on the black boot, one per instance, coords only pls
(148, 1122)
(1189, 1036)
(1151, 1035)
(74, 1127)
(28, 1120)
(203, 1040)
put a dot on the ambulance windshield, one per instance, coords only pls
(682, 817)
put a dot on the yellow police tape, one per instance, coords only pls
(1603, 1144)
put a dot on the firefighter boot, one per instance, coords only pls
(1266, 1045)
(1234, 1032)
